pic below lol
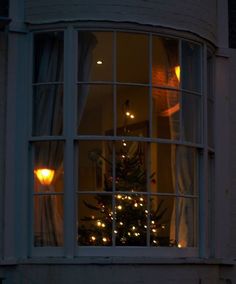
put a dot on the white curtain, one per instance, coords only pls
(48, 117)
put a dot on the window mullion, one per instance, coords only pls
(69, 130)
(203, 194)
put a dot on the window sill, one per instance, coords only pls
(121, 261)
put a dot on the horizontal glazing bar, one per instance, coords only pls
(48, 193)
(47, 83)
(46, 138)
(138, 85)
(137, 193)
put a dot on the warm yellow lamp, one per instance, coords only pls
(177, 72)
(45, 176)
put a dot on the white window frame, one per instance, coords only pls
(70, 90)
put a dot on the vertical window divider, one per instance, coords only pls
(149, 144)
(69, 130)
(203, 185)
(181, 135)
(113, 142)
(31, 158)
(177, 195)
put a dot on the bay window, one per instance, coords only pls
(118, 131)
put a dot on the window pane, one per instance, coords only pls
(94, 220)
(131, 166)
(95, 110)
(187, 222)
(48, 110)
(163, 168)
(95, 56)
(187, 165)
(131, 220)
(191, 66)
(166, 113)
(48, 220)
(48, 166)
(165, 62)
(132, 111)
(95, 166)
(192, 117)
(162, 221)
(48, 57)
(132, 58)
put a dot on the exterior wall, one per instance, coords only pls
(232, 151)
(196, 16)
(3, 57)
(115, 274)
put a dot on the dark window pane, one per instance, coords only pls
(192, 117)
(131, 166)
(48, 57)
(166, 114)
(162, 221)
(94, 166)
(132, 58)
(95, 56)
(48, 220)
(95, 110)
(163, 168)
(48, 110)
(165, 62)
(191, 66)
(187, 175)
(187, 222)
(132, 111)
(95, 220)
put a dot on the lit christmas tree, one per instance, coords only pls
(128, 219)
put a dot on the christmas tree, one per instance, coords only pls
(129, 215)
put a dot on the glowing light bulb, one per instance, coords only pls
(141, 199)
(133, 228)
(119, 196)
(132, 116)
(179, 246)
(154, 241)
(129, 234)
(103, 225)
(141, 204)
(93, 238)
(124, 144)
(177, 72)
(119, 207)
(129, 197)
(99, 223)
(127, 113)
(99, 62)
(121, 223)
(115, 231)
(154, 230)
(146, 211)
(135, 204)
(152, 222)
(145, 226)
(45, 176)
(163, 226)
(123, 156)
(104, 240)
